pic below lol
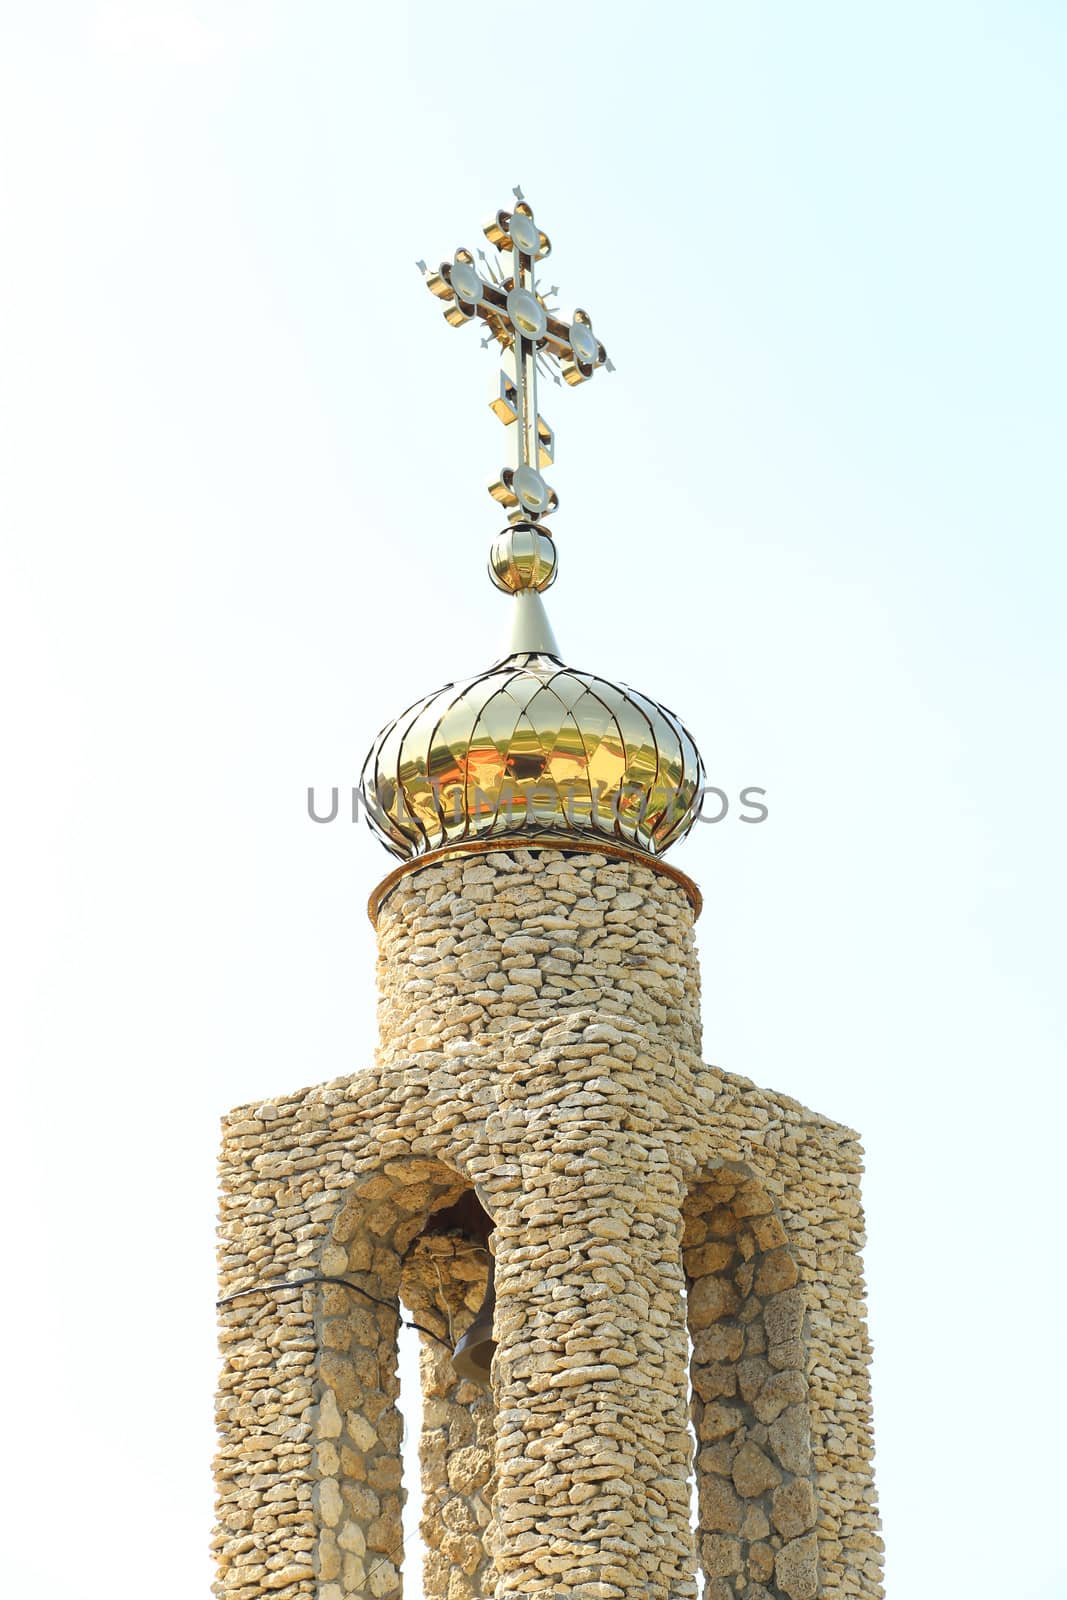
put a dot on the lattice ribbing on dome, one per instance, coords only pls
(532, 747)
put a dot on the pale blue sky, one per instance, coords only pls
(818, 509)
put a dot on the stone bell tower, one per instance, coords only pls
(674, 1253)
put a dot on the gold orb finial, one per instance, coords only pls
(523, 557)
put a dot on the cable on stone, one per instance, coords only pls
(344, 1283)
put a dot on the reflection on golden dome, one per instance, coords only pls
(532, 747)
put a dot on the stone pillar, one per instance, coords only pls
(590, 1373)
(578, 975)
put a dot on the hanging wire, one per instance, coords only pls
(344, 1283)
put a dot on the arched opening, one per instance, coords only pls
(358, 1490)
(444, 1280)
(409, 1402)
(694, 1487)
(747, 1324)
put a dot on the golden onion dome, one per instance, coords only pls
(532, 748)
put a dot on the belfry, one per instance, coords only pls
(632, 1273)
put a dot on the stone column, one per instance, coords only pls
(592, 1447)
(574, 978)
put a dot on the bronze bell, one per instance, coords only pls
(473, 1355)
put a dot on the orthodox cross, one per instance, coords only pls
(532, 337)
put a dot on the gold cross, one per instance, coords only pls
(532, 337)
